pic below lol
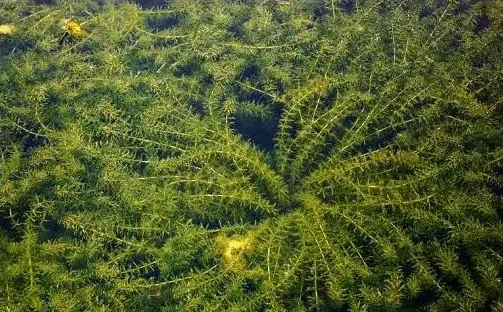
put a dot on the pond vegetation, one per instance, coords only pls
(338, 155)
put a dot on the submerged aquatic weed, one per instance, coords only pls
(316, 156)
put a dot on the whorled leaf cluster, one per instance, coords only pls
(339, 155)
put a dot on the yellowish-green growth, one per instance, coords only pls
(7, 29)
(234, 250)
(73, 29)
(251, 155)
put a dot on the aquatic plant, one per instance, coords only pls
(252, 156)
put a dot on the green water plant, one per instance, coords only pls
(252, 156)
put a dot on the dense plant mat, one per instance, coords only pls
(342, 155)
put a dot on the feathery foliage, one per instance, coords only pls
(251, 155)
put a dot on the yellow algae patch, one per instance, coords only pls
(7, 29)
(234, 251)
(73, 29)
